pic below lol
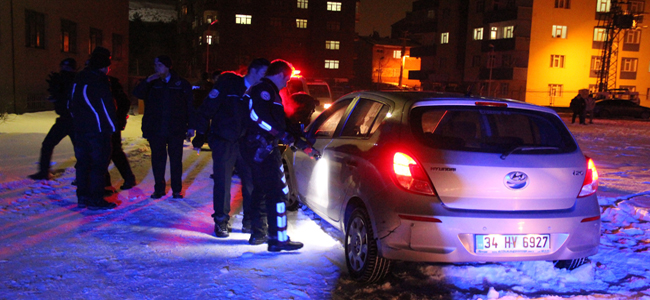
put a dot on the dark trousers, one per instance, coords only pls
(60, 129)
(580, 114)
(119, 159)
(270, 194)
(161, 147)
(93, 153)
(227, 156)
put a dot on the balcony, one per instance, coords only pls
(518, 43)
(512, 73)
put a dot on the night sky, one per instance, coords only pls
(378, 15)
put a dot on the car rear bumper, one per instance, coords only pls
(452, 239)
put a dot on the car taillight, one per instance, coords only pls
(410, 175)
(590, 185)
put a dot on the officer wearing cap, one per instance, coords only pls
(266, 127)
(169, 109)
(93, 112)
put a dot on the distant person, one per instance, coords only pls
(590, 105)
(93, 113)
(60, 89)
(169, 109)
(225, 114)
(122, 103)
(578, 106)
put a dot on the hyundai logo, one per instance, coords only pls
(516, 180)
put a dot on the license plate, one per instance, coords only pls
(513, 243)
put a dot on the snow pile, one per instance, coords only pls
(166, 248)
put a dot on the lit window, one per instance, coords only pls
(301, 23)
(563, 4)
(629, 64)
(594, 67)
(303, 4)
(600, 34)
(243, 19)
(331, 64)
(555, 90)
(478, 34)
(184, 9)
(35, 29)
(444, 38)
(334, 6)
(493, 33)
(603, 6)
(397, 54)
(557, 61)
(559, 31)
(68, 36)
(508, 32)
(208, 39)
(332, 45)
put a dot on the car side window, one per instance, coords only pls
(362, 118)
(333, 116)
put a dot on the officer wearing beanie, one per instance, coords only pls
(93, 113)
(169, 109)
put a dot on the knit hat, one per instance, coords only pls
(165, 60)
(69, 62)
(100, 58)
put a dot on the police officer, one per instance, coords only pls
(225, 108)
(60, 87)
(169, 109)
(93, 112)
(266, 127)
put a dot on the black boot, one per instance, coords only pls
(288, 245)
(221, 230)
(40, 176)
(101, 205)
(258, 239)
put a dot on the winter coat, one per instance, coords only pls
(225, 107)
(577, 104)
(590, 104)
(267, 116)
(92, 107)
(60, 89)
(168, 106)
(122, 102)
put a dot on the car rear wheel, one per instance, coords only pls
(292, 203)
(361, 252)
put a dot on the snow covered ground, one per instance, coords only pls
(166, 249)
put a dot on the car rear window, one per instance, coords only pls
(491, 129)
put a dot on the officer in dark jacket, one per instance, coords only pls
(266, 127)
(169, 107)
(93, 113)
(122, 104)
(224, 107)
(60, 88)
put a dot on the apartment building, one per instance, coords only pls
(316, 36)
(35, 35)
(540, 52)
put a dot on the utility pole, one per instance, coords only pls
(402, 58)
(490, 65)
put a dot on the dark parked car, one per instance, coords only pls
(620, 108)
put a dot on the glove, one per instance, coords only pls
(198, 141)
(287, 139)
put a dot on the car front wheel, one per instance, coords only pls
(361, 252)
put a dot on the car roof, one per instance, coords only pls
(418, 98)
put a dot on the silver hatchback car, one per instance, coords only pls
(433, 177)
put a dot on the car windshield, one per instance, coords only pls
(491, 130)
(318, 90)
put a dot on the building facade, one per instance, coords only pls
(35, 35)
(541, 51)
(316, 36)
(379, 63)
